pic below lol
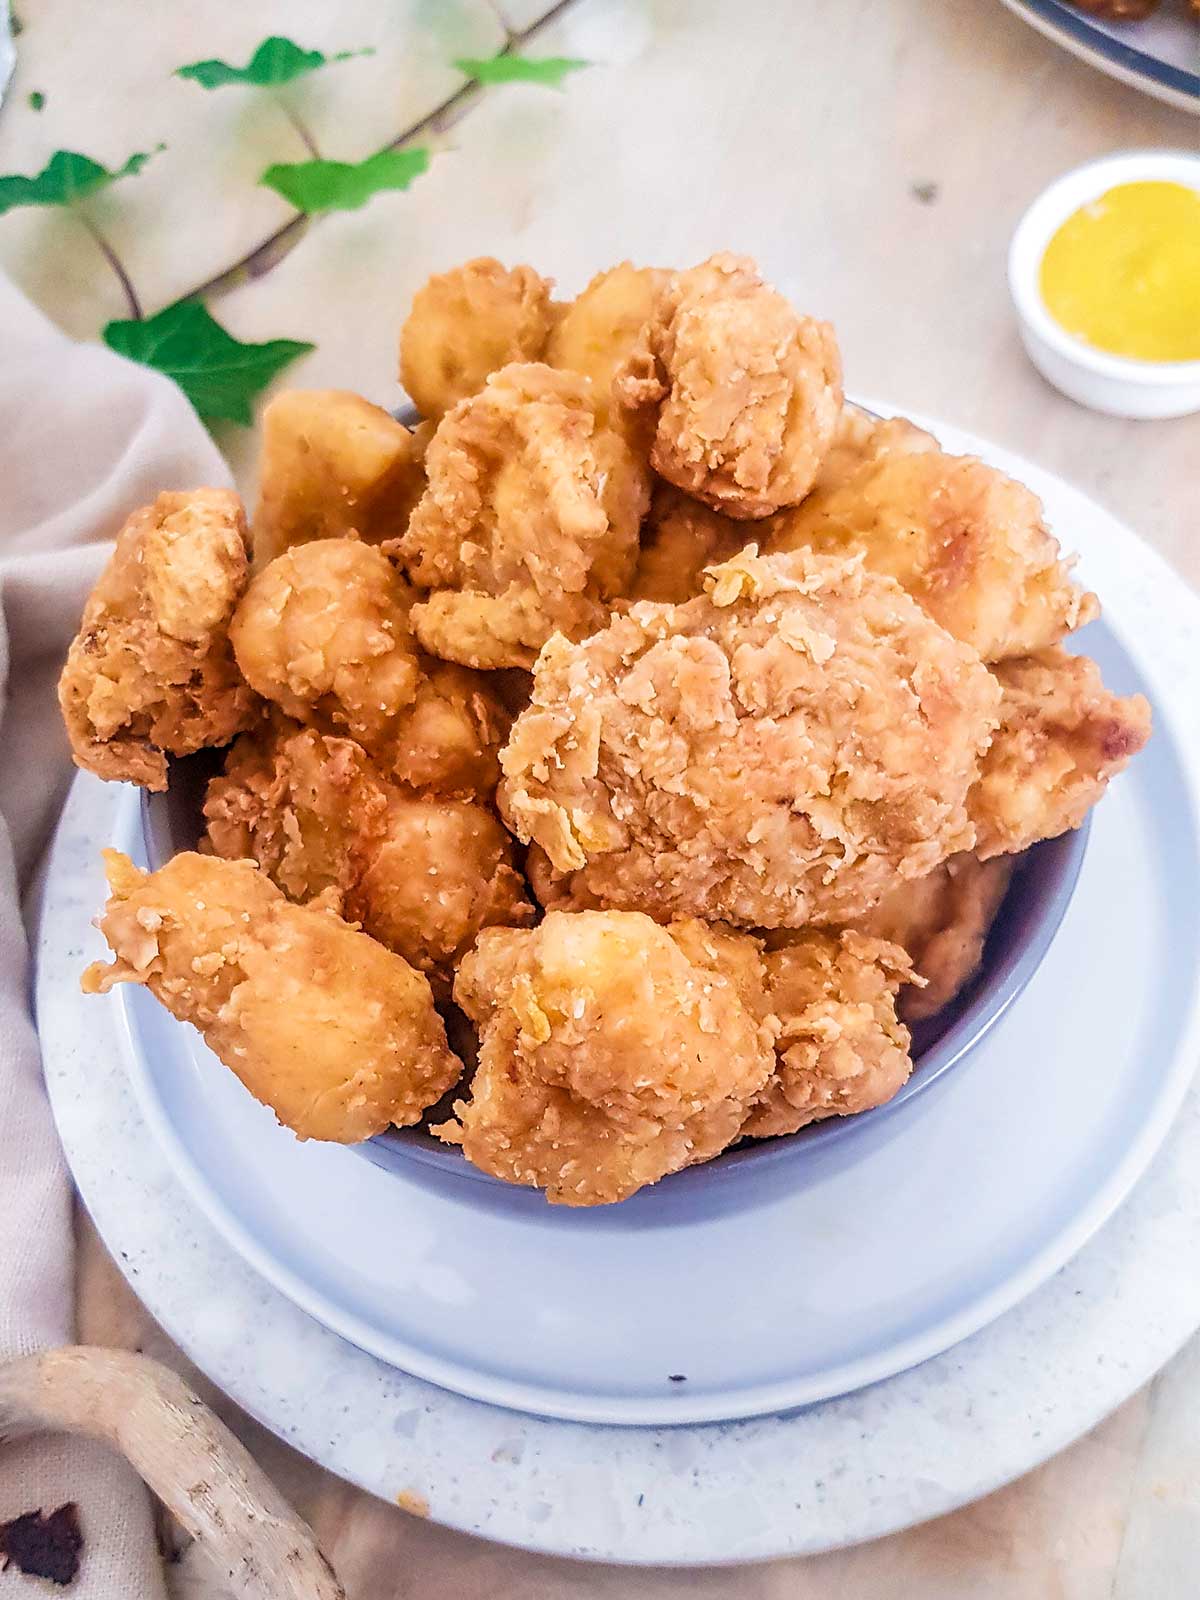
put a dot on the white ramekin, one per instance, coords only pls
(1118, 385)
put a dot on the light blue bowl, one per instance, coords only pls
(1028, 919)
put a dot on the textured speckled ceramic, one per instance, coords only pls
(952, 1218)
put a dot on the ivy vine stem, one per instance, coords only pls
(114, 261)
(297, 122)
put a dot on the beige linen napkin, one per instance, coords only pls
(85, 438)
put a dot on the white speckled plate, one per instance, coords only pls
(1001, 1178)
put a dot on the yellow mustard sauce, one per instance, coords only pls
(1123, 273)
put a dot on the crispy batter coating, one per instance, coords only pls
(941, 921)
(1062, 736)
(744, 394)
(150, 672)
(332, 464)
(324, 628)
(324, 633)
(966, 542)
(422, 875)
(448, 741)
(467, 323)
(336, 1034)
(841, 1048)
(680, 538)
(530, 521)
(598, 331)
(612, 1051)
(770, 754)
(861, 438)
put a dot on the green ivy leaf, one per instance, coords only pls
(65, 178)
(547, 70)
(37, 100)
(219, 374)
(276, 61)
(313, 186)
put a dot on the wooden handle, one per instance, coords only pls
(184, 1453)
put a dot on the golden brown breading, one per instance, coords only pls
(770, 754)
(612, 1051)
(150, 672)
(332, 464)
(744, 394)
(966, 542)
(529, 523)
(597, 332)
(336, 1034)
(841, 1048)
(448, 741)
(422, 875)
(324, 628)
(324, 633)
(942, 922)
(467, 323)
(1062, 736)
(861, 438)
(680, 537)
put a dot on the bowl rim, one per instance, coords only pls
(1042, 218)
(990, 994)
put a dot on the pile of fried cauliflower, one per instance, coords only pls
(662, 726)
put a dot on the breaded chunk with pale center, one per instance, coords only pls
(965, 541)
(338, 1036)
(613, 1051)
(333, 464)
(841, 1048)
(467, 323)
(151, 672)
(743, 393)
(421, 874)
(1062, 737)
(529, 523)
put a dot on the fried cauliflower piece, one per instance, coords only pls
(941, 921)
(422, 875)
(966, 542)
(771, 754)
(743, 394)
(612, 1052)
(680, 538)
(861, 438)
(448, 741)
(841, 1047)
(324, 633)
(150, 672)
(467, 323)
(338, 1036)
(529, 524)
(1062, 737)
(598, 331)
(333, 464)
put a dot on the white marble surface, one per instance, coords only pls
(796, 132)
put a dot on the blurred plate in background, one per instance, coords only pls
(1160, 55)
